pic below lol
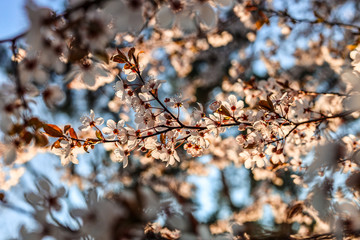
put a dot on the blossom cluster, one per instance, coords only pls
(293, 128)
(272, 118)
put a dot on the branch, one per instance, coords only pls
(285, 14)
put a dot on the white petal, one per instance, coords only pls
(10, 156)
(33, 198)
(99, 121)
(85, 120)
(107, 130)
(165, 17)
(224, 3)
(89, 80)
(260, 162)
(207, 15)
(232, 99)
(44, 185)
(111, 124)
(120, 124)
(60, 192)
(131, 77)
(84, 128)
(248, 163)
(125, 162)
(92, 114)
(185, 23)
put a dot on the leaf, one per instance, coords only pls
(148, 154)
(120, 57)
(16, 129)
(224, 111)
(99, 135)
(354, 181)
(264, 105)
(267, 104)
(41, 140)
(162, 138)
(127, 66)
(137, 56)
(259, 24)
(319, 19)
(294, 210)
(73, 133)
(249, 7)
(270, 103)
(66, 128)
(56, 144)
(77, 53)
(53, 130)
(102, 55)
(131, 53)
(27, 136)
(351, 47)
(35, 122)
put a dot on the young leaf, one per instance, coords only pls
(53, 130)
(131, 53)
(73, 133)
(162, 138)
(35, 122)
(270, 103)
(120, 57)
(99, 135)
(66, 128)
(224, 111)
(41, 140)
(267, 104)
(56, 144)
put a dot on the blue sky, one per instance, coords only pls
(13, 18)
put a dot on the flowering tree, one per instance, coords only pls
(260, 97)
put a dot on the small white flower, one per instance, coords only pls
(114, 129)
(121, 155)
(233, 105)
(90, 121)
(65, 153)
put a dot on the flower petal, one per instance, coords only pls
(207, 15)
(111, 124)
(165, 17)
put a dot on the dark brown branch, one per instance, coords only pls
(285, 14)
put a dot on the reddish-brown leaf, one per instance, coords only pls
(35, 122)
(120, 57)
(266, 105)
(27, 136)
(162, 138)
(131, 53)
(73, 133)
(224, 111)
(56, 144)
(99, 135)
(294, 210)
(53, 130)
(127, 66)
(66, 128)
(41, 140)
(16, 129)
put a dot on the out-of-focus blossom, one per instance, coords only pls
(90, 121)
(53, 95)
(355, 56)
(66, 153)
(90, 73)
